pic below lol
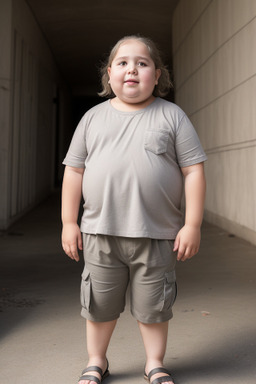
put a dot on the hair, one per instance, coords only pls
(164, 82)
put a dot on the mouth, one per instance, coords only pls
(131, 81)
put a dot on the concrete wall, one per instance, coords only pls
(31, 142)
(215, 78)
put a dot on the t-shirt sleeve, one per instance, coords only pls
(77, 151)
(188, 147)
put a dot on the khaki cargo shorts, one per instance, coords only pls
(112, 263)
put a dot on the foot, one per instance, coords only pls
(100, 363)
(158, 375)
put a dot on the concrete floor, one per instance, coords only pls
(212, 336)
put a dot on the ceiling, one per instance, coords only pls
(80, 33)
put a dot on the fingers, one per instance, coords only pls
(71, 251)
(185, 253)
(176, 244)
(72, 240)
(187, 242)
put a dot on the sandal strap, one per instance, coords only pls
(90, 378)
(95, 369)
(92, 368)
(163, 379)
(158, 370)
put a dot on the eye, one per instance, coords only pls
(122, 63)
(142, 64)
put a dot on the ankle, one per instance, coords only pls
(152, 363)
(99, 361)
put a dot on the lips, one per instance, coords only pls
(131, 81)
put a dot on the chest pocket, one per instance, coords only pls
(156, 141)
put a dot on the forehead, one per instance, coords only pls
(133, 48)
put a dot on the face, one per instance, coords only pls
(133, 75)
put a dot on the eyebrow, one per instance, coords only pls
(136, 57)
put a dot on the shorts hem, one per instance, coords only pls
(100, 319)
(151, 320)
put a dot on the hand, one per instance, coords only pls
(187, 242)
(72, 240)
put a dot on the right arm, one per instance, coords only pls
(71, 198)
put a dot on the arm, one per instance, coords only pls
(188, 239)
(71, 198)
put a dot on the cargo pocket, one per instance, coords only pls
(85, 294)
(156, 141)
(170, 290)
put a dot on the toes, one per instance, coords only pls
(87, 382)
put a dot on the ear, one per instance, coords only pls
(158, 74)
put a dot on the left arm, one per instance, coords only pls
(187, 241)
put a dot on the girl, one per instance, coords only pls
(129, 156)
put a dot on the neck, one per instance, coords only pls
(123, 106)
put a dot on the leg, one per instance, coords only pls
(98, 337)
(104, 283)
(155, 340)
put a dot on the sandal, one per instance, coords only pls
(159, 379)
(94, 378)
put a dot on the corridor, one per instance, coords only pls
(212, 337)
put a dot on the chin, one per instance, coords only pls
(136, 99)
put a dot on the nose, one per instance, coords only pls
(132, 69)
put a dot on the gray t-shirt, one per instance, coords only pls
(132, 183)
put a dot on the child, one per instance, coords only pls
(129, 156)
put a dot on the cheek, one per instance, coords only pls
(116, 76)
(149, 76)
